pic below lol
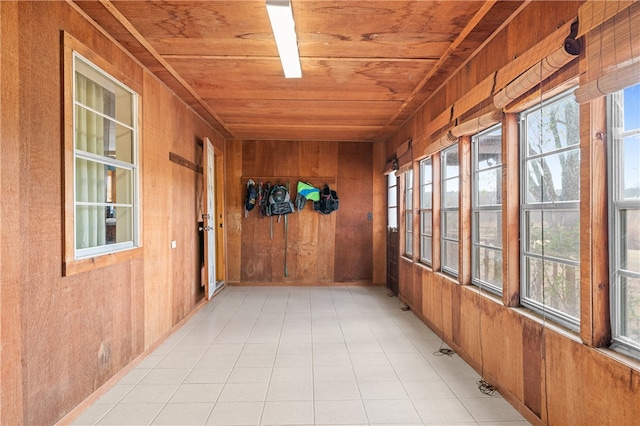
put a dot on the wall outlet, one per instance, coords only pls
(173, 244)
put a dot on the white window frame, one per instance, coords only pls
(477, 209)
(618, 204)
(392, 201)
(104, 79)
(449, 175)
(426, 211)
(528, 208)
(408, 213)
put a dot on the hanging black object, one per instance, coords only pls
(252, 196)
(328, 201)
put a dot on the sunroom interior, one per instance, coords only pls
(485, 155)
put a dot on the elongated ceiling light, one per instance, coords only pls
(284, 31)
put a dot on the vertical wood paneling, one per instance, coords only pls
(319, 248)
(354, 230)
(12, 220)
(233, 197)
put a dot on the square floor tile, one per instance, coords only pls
(197, 392)
(184, 414)
(340, 413)
(131, 414)
(148, 394)
(160, 376)
(442, 411)
(293, 360)
(250, 375)
(427, 389)
(92, 415)
(336, 390)
(386, 389)
(243, 392)
(391, 412)
(331, 374)
(491, 409)
(208, 375)
(236, 413)
(290, 391)
(287, 413)
(292, 374)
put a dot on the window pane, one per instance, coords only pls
(451, 164)
(553, 126)
(630, 308)
(450, 225)
(450, 255)
(554, 233)
(426, 171)
(100, 183)
(489, 188)
(392, 196)
(452, 188)
(631, 158)
(554, 178)
(489, 148)
(489, 266)
(102, 94)
(426, 224)
(426, 198)
(426, 252)
(393, 217)
(408, 248)
(630, 240)
(560, 284)
(489, 228)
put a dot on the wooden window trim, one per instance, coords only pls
(71, 265)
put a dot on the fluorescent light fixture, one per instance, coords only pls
(284, 31)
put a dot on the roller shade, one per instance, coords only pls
(613, 55)
(538, 72)
(404, 156)
(475, 125)
(595, 12)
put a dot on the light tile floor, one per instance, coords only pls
(301, 356)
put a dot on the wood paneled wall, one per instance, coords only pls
(320, 249)
(551, 375)
(63, 337)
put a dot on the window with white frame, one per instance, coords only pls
(105, 162)
(450, 187)
(408, 213)
(550, 212)
(392, 201)
(487, 209)
(624, 166)
(426, 211)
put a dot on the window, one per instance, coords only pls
(105, 162)
(624, 165)
(392, 201)
(450, 209)
(487, 209)
(550, 216)
(408, 213)
(426, 211)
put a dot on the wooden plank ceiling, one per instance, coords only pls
(367, 66)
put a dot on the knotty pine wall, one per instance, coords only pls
(63, 337)
(320, 249)
(551, 375)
